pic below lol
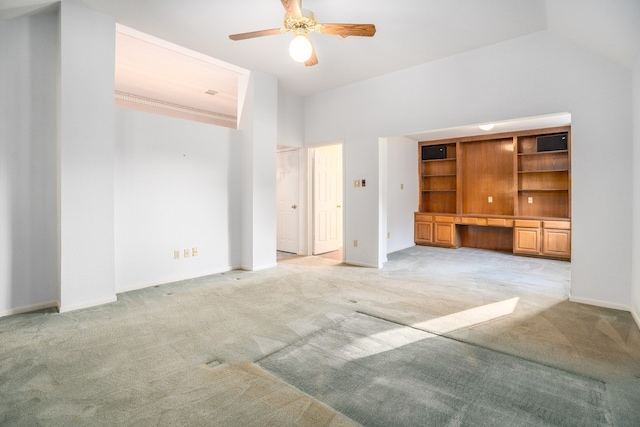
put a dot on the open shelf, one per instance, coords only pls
(543, 153)
(544, 171)
(438, 201)
(438, 180)
(543, 179)
(438, 191)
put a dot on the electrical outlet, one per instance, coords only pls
(364, 182)
(388, 234)
(176, 254)
(187, 253)
(529, 199)
(356, 183)
(194, 251)
(490, 199)
(355, 243)
(402, 186)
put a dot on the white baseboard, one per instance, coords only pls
(362, 264)
(87, 304)
(599, 303)
(258, 268)
(136, 286)
(28, 308)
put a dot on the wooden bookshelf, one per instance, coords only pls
(508, 192)
(438, 181)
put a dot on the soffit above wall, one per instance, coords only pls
(155, 76)
(610, 28)
(538, 122)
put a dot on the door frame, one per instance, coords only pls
(311, 194)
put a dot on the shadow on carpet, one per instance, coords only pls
(380, 373)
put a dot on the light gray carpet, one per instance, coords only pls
(145, 359)
(380, 373)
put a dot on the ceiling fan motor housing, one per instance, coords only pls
(303, 24)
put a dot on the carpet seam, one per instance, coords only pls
(482, 347)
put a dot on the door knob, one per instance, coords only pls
(338, 206)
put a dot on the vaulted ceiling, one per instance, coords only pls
(409, 32)
(195, 54)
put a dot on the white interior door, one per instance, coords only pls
(287, 201)
(327, 196)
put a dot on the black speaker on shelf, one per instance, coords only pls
(434, 152)
(553, 142)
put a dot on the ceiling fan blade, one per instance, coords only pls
(254, 34)
(292, 7)
(346, 30)
(313, 60)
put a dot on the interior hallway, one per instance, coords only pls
(184, 353)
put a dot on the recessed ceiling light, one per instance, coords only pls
(211, 92)
(487, 126)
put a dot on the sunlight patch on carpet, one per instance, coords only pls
(380, 373)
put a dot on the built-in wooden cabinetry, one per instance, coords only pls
(509, 192)
(438, 181)
(437, 230)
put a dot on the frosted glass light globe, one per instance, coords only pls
(300, 49)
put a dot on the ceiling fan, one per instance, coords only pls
(301, 22)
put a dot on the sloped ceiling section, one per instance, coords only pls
(10, 9)
(610, 28)
(158, 77)
(409, 33)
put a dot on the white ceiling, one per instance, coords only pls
(409, 32)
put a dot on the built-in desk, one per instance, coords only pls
(523, 236)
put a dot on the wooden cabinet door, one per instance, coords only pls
(444, 234)
(423, 232)
(526, 241)
(556, 243)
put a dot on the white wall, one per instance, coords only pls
(85, 157)
(402, 191)
(635, 301)
(172, 187)
(258, 147)
(290, 118)
(383, 199)
(533, 75)
(28, 236)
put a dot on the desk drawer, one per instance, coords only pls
(558, 225)
(465, 220)
(423, 217)
(528, 223)
(445, 219)
(499, 222)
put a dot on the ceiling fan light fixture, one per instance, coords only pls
(300, 49)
